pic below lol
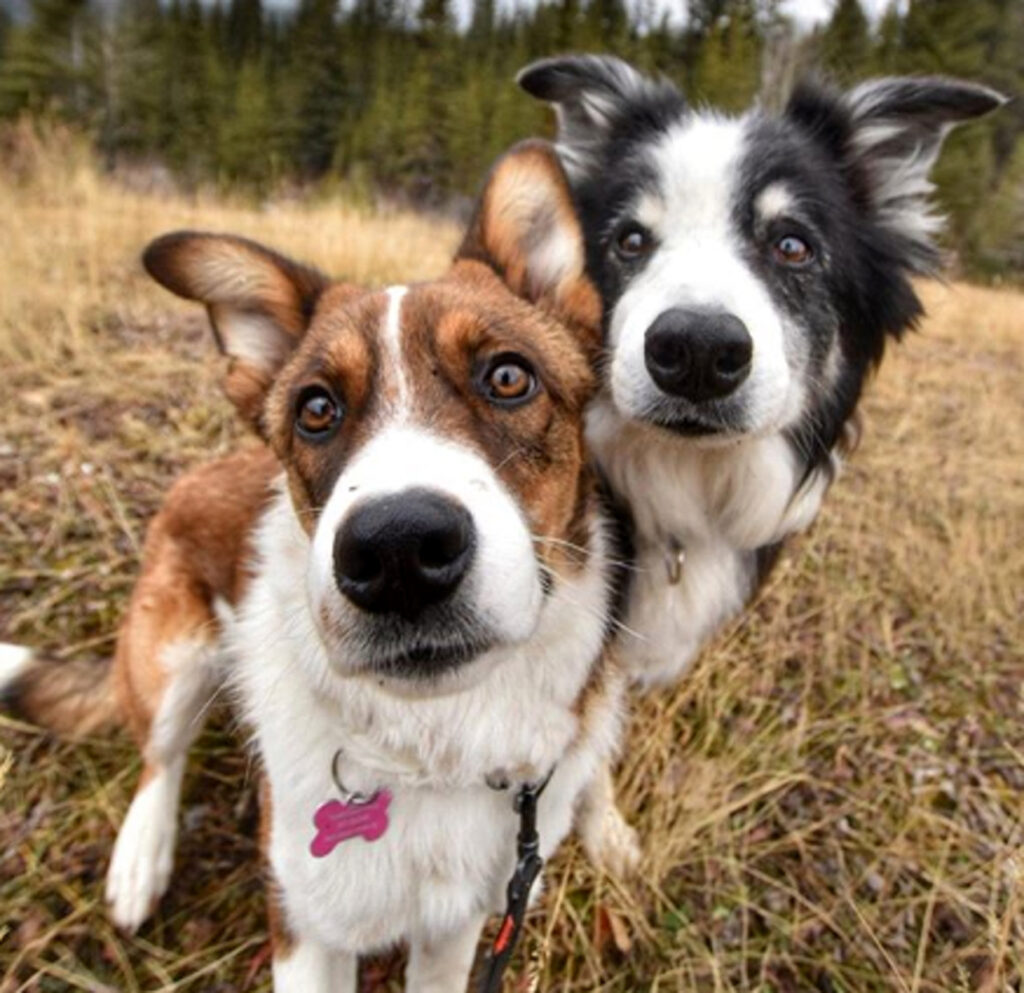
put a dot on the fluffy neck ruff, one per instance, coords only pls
(745, 494)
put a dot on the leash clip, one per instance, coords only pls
(517, 895)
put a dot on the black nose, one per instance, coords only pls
(403, 552)
(698, 354)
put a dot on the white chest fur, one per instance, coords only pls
(450, 846)
(719, 505)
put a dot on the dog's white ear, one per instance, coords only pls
(592, 96)
(526, 229)
(260, 303)
(899, 125)
(891, 135)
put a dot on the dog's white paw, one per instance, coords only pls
(611, 843)
(140, 867)
(14, 660)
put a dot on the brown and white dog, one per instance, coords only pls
(408, 587)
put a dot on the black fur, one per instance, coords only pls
(830, 148)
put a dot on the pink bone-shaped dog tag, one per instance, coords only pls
(336, 822)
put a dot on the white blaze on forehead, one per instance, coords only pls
(696, 165)
(391, 339)
(700, 262)
(774, 201)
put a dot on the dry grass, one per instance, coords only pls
(833, 802)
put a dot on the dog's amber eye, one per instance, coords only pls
(317, 413)
(633, 241)
(510, 380)
(792, 250)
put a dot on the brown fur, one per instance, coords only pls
(450, 328)
(272, 289)
(527, 193)
(285, 329)
(205, 267)
(196, 551)
(327, 334)
(73, 698)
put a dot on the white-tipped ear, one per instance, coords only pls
(899, 125)
(591, 95)
(259, 302)
(525, 228)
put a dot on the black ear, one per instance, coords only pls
(593, 96)
(888, 133)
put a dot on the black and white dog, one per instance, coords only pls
(752, 269)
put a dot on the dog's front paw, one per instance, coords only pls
(611, 843)
(140, 867)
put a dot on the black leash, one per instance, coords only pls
(528, 866)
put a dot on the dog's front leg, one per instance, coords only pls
(306, 966)
(166, 670)
(609, 841)
(443, 965)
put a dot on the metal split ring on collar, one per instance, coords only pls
(675, 556)
(353, 798)
(500, 781)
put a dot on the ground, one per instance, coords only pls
(834, 801)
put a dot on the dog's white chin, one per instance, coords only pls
(341, 659)
(639, 417)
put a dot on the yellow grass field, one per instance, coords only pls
(834, 802)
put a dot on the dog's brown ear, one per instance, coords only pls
(260, 303)
(525, 228)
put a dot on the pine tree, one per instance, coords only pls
(244, 30)
(188, 127)
(726, 70)
(392, 95)
(136, 109)
(605, 25)
(44, 63)
(247, 141)
(845, 44)
(889, 41)
(980, 40)
(316, 85)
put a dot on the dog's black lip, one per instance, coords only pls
(690, 427)
(427, 658)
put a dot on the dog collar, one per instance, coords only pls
(365, 815)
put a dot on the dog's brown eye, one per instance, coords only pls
(317, 413)
(510, 380)
(633, 241)
(792, 250)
